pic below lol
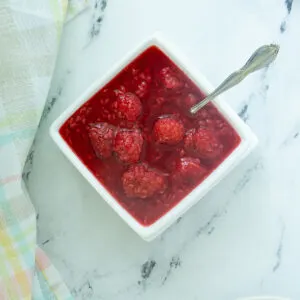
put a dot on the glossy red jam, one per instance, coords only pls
(137, 137)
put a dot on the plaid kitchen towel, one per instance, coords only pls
(29, 36)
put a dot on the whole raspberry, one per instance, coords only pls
(168, 130)
(128, 145)
(202, 143)
(101, 136)
(188, 172)
(127, 106)
(140, 181)
(169, 79)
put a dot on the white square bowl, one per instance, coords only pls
(248, 140)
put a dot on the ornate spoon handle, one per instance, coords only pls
(261, 58)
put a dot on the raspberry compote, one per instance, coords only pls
(137, 137)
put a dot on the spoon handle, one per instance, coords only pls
(261, 58)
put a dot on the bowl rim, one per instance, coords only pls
(247, 144)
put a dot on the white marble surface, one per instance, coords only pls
(244, 237)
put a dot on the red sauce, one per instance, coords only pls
(180, 157)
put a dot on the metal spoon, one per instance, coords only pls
(261, 58)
